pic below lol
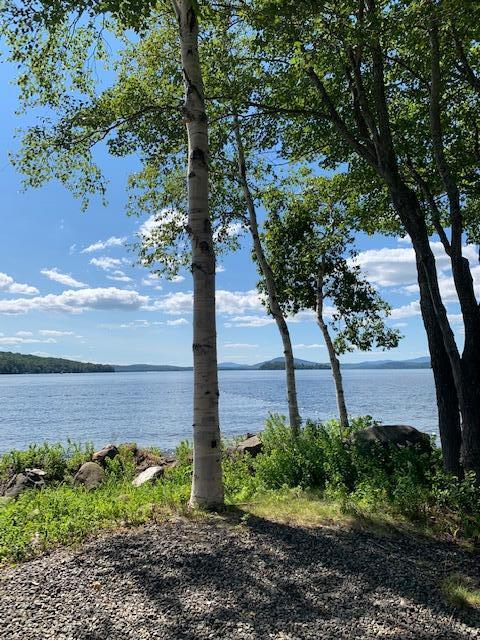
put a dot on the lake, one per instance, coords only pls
(156, 407)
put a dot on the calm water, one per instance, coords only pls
(156, 407)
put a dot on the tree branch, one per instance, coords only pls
(338, 123)
(437, 142)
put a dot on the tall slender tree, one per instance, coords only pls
(376, 86)
(309, 244)
(54, 53)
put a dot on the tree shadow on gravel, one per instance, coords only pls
(242, 576)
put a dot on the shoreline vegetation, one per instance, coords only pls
(321, 477)
(19, 363)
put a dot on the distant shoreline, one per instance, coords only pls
(19, 363)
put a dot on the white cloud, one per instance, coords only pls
(104, 244)
(8, 284)
(177, 278)
(406, 311)
(228, 302)
(63, 278)
(152, 280)
(249, 321)
(53, 332)
(315, 345)
(220, 268)
(178, 322)
(106, 263)
(171, 217)
(239, 345)
(393, 267)
(119, 276)
(231, 230)
(77, 301)
(15, 340)
(24, 334)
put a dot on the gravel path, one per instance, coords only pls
(193, 580)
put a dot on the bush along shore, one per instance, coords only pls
(385, 476)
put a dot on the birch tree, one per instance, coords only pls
(54, 53)
(309, 245)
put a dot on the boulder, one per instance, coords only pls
(108, 451)
(252, 445)
(90, 474)
(144, 459)
(397, 435)
(149, 475)
(29, 479)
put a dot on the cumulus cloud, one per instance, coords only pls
(113, 241)
(406, 311)
(228, 302)
(177, 278)
(106, 263)
(249, 321)
(77, 301)
(314, 345)
(152, 280)
(55, 333)
(63, 278)
(239, 345)
(16, 340)
(177, 323)
(8, 285)
(119, 276)
(389, 267)
(220, 268)
(166, 217)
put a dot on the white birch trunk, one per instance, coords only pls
(207, 486)
(334, 361)
(293, 412)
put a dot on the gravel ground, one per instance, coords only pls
(216, 579)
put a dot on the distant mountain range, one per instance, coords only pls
(22, 363)
(279, 363)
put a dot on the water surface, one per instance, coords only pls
(156, 407)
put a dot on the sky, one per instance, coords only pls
(70, 286)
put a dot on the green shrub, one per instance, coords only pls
(55, 459)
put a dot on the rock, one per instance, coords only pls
(252, 445)
(150, 474)
(397, 435)
(90, 474)
(30, 479)
(144, 459)
(108, 451)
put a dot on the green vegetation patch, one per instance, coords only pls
(461, 591)
(322, 477)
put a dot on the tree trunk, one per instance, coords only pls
(447, 398)
(446, 362)
(207, 486)
(275, 309)
(334, 361)
(470, 361)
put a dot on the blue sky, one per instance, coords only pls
(69, 287)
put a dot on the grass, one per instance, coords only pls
(63, 514)
(318, 479)
(313, 509)
(460, 592)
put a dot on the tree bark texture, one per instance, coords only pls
(207, 486)
(275, 309)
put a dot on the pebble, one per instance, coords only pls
(206, 579)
